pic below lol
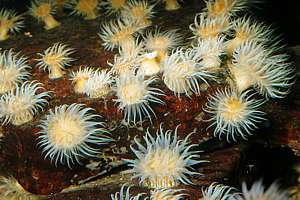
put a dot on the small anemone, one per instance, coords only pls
(254, 66)
(233, 114)
(258, 191)
(164, 161)
(86, 8)
(13, 70)
(98, 85)
(118, 33)
(44, 10)
(149, 64)
(162, 41)
(55, 59)
(10, 22)
(124, 194)
(68, 132)
(139, 11)
(80, 77)
(20, 106)
(218, 8)
(182, 72)
(220, 192)
(134, 95)
(205, 27)
(11, 189)
(209, 52)
(246, 29)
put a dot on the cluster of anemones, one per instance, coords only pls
(247, 52)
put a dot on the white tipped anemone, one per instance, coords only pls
(13, 70)
(85, 8)
(19, 106)
(254, 66)
(43, 10)
(220, 192)
(205, 27)
(258, 191)
(209, 52)
(10, 22)
(118, 33)
(10, 189)
(182, 72)
(124, 194)
(55, 59)
(246, 29)
(68, 132)
(219, 8)
(80, 77)
(234, 115)
(167, 194)
(139, 11)
(165, 161)
(134, 95)
(172, 5)
(98, 85)
(162, 41)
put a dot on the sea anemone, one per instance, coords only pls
(233, 114)
(86, 8)
(167, 194)
(205, 27)
(258, 191)
(98, 85)
(246, 29)
(43, 10)
(220, 192)
(219, 8)
(172, 5)
(134, 95)
(11, 189)
(139, 11)
(19, 106)
(55, 59)
(68, 132)
(10, 22)
(165, 161)
(182, 72)
(118, 33)
(149, 64)
(253, 65)
(162, 41)
(113, 6)
(209, 52)
(13, 70)
(80, 77)
(124, 194)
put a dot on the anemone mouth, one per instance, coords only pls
(66, 132)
